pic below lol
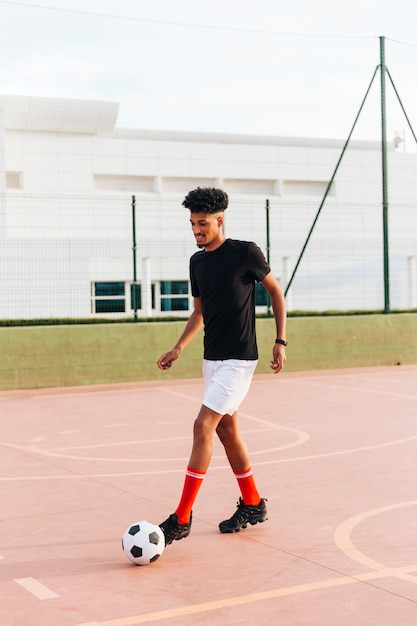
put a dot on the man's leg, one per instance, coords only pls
(251, 507)
(178, 525)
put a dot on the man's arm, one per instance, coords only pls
(194, 324)
(278, 306)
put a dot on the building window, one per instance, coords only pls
(250, 186)
(174, 295)
(261, 295)
(114, 182)
(306, 188)
(135, 296)
(108, 297)
(126, 297)
(14, 180)
(181, 185)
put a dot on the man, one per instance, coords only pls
(223, 277)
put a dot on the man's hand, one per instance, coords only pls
(166, 360)
(278, 358)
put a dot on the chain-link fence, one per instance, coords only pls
(73, 257)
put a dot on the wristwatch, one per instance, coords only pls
(281, 341)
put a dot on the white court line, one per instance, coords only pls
(357, 389)
(36, 588)
(343, 535)
(216, 605)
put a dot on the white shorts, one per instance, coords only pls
(226, 384)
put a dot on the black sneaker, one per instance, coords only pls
(245, 514)
(173, 530)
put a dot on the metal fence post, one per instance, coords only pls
(134, 286)
(268, 297)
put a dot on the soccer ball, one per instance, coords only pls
(143, 542)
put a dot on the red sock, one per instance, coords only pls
(192, 483)
(247, 487)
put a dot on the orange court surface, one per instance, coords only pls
(334, 452)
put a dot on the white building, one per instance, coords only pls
(68, 174)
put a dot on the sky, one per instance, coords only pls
(271, 67)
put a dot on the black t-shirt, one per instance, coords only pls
(224, 280)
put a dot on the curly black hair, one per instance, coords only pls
(206, 200)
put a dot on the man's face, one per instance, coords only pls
(207, 229)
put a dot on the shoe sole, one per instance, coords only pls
(237, 529)
(175, 539)
(168, 543)
(182, 536)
